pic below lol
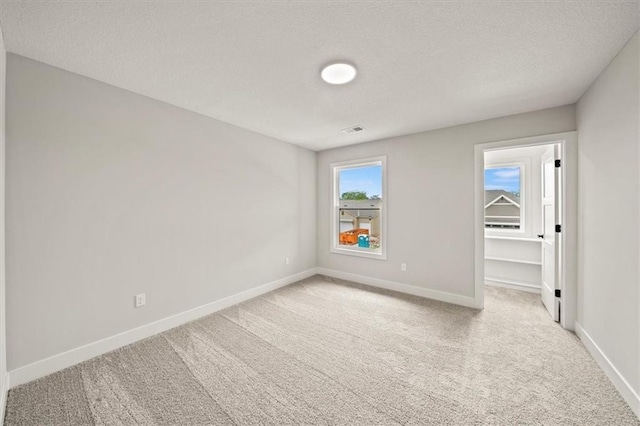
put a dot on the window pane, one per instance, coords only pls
(502, 190)
(361, 183)
(359, 211)
(359, 227)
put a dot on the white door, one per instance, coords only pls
(549, 246)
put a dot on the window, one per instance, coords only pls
(358, 223)
(502, 197)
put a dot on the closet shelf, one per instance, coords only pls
(504, 259)
(529, 240)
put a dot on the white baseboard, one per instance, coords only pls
(442, 296)
(72, 357)
(513, 285)
(628, 393)
(4, 390)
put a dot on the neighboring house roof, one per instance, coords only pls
(360, 213)
(502, 213)
(361, 208)
(361, 204)
(492, 195)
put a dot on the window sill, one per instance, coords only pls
(354, 251)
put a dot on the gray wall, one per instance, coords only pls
(430, 179)
(110, 194)
(3, 342)
(609, 233)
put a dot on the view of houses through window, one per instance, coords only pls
(359, 207)
(502, 191)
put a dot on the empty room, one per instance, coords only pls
(320, 212)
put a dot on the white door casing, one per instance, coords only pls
(566, 242)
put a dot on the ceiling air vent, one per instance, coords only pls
(351, 130)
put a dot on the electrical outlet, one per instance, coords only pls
(286, 260)
(140, 300)
(403, 267)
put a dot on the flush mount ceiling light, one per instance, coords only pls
(338, 73)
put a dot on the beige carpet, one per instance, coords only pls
(328, 352)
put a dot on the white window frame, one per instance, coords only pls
(334, 228)
(523, 194)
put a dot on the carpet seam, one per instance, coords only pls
(200, 384)
(311, 367)
(291, 355)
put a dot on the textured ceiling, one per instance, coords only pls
(422, 65)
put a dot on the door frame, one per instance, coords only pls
(568, 143)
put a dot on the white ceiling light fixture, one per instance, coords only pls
(338, 73)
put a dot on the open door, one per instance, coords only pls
(550, 250)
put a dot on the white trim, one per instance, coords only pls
(504, 259)
(621, 384)
(513, 285)
(499, 237)
(4, 391)
(442, 296)
(334, 226)
(72, 357)
(491, 226)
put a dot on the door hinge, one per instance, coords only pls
(558, 293)
(558, 228)
(558, 163)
